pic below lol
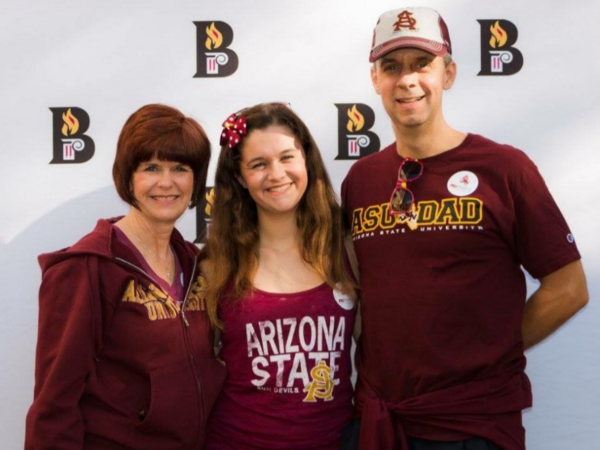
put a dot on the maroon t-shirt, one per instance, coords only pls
(443, 292)
(289, 365)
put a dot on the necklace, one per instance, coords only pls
(167, 264)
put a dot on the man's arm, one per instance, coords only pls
(560, 295)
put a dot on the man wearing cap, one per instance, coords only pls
(442, 222)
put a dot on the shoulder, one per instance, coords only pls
(63, 262)
(507, 169)
(94, 244)
(498, 152)
(178, 241)
(192, 248)
(67, 281)
(369, 166)
(374, 160)
(500, 161)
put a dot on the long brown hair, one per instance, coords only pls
(232, 243)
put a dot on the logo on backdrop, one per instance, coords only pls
(204, 214)
(69, 143)
(354, 138)
(498, 56)
(213, 56)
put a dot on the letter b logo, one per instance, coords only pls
(355, 139)
(69, 144)
(213, 57)
(498, 56)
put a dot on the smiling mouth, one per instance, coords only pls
(410, 100)
(279, 188)
(165, 198)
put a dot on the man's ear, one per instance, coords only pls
(450, 75)
(374, 78)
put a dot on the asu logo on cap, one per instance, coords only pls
(69, 143)
(204, 214)
(405, 21)
(498, 56)
(213, 56)
(354, 138)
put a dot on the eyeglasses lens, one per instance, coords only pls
(402, 200)
(410, 170)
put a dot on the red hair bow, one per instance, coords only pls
(233, 130)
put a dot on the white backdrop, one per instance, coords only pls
(111, 57)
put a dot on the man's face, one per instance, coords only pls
(411, 82)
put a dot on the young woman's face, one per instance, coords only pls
(273, 169)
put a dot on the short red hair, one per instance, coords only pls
(165, 133)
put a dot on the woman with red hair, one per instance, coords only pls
(125, 351)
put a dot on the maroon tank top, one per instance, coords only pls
(288, 357)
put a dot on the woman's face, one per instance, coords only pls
(163, 189)
(273, 169)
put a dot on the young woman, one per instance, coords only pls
(125, 354)
(278, 288)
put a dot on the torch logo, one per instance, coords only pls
(70, 145)
(498, 56)
(204, 214)
(354, 138)
(213, 57)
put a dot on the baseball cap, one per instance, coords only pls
(415, 27)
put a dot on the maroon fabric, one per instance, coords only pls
(473, 408)
(443, 292)
(175, 290)
(274, 345)
(116, 365)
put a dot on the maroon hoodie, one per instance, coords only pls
(119, 365)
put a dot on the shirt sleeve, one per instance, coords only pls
(64, 356)
(544, 240)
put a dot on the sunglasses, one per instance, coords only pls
(402, 198)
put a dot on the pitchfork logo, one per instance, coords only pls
(213, 56)
(204, 214)
(354, 138)
(70, 144)
(498, 56)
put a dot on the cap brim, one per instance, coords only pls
(407, 42)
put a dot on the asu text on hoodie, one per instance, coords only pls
(118, 364)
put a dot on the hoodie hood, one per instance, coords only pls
(102, 242)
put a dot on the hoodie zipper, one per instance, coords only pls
(193, 358)
(185, 331)
(187, 293)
